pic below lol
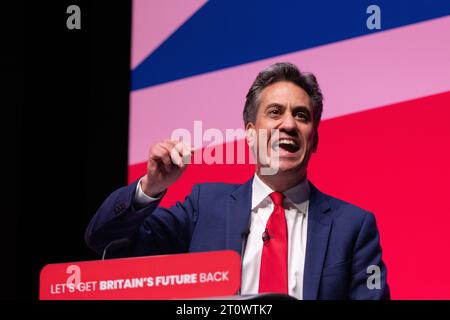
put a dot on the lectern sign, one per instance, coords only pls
(178, 276)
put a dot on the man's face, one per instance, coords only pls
(286, 108)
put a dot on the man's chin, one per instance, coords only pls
(287, 165)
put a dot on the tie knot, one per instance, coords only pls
(277, 198)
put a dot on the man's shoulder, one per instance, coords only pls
(217, 187)
(342, 209)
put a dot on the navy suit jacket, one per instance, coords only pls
(342, 239)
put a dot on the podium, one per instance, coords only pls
(212, 275)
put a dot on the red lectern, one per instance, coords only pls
(178, 276)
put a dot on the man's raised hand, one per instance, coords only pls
(166, 162)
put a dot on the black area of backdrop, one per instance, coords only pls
(74, 131)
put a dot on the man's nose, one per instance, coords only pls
(288, 123)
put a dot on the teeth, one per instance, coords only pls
(286, 141)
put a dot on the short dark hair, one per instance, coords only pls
(283, 71)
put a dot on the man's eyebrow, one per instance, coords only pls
(302, 108)
(296, 108)
(274, 104)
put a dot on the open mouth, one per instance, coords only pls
(289, 145)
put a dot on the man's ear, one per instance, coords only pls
(250, 133)
(315, 141)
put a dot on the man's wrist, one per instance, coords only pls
(148, 191)
(141, 199)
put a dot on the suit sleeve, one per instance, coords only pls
(150, 230)
(366, 282)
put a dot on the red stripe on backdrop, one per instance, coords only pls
(393, 161)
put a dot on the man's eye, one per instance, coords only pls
(274, 112)
(301, 115)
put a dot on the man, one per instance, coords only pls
(301, 241)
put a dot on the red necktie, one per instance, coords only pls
(273, 275)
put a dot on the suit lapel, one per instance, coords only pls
(238, 215)
(319, 226)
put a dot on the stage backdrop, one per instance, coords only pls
(385, 135)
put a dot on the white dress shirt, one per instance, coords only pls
(295, 204)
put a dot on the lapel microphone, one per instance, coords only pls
(266, 236)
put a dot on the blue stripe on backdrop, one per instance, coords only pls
(228, 33)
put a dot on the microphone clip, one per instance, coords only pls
(266, 237)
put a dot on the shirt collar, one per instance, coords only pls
(297, 195)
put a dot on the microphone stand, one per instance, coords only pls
(244, 237)
(116, 244)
